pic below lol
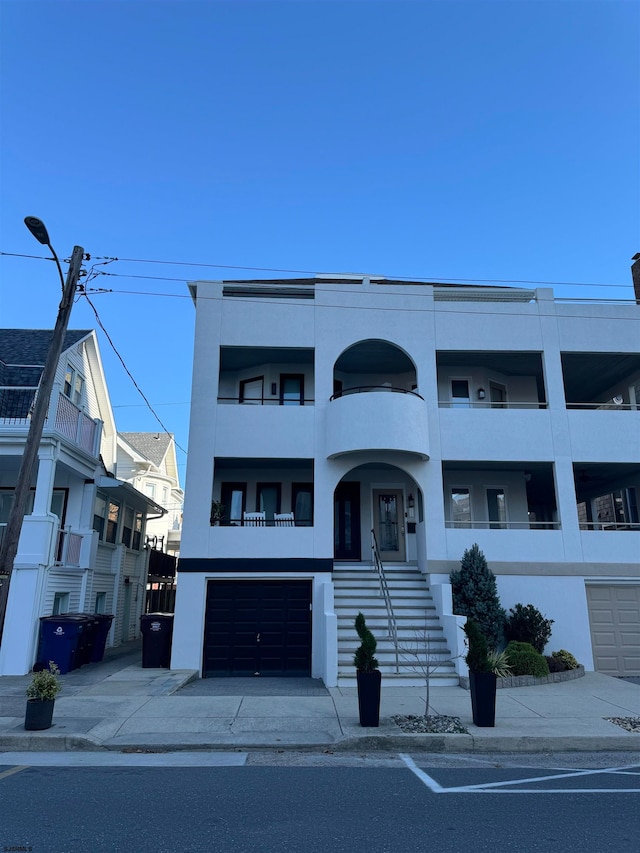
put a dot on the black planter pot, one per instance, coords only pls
(483, 698)
(39, 714)
(369, 684)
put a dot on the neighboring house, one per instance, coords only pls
(147, 460)
(81, 548)
(435, 416)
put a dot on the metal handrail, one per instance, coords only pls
(365, 389)
(504, 525)
(384, 589)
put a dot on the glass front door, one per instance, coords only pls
(388, 523)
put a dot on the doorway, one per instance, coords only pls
(389, 524)
(346, 522)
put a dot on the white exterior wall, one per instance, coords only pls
(413, 435)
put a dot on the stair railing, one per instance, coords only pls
(384, 590)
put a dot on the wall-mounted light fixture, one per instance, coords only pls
(274, 389)
(527, 476)
(481, 394)
(410, 501)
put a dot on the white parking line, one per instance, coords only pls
(506, 787)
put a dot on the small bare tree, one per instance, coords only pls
(420, 658)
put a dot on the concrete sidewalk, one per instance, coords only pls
(118, 705)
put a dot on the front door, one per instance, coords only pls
(388, 523)
(346, 522)
(258, 627)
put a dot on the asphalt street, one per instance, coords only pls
(231, 803)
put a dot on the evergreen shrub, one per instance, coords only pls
(567, 659)
(526, 624)
(555, 664)
(475, 595)
(364, 659)
(525, 660)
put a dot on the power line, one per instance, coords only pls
(129, 374)
(314, 273)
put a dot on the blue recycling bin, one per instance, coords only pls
(62, 641)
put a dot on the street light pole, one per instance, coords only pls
(9, 547)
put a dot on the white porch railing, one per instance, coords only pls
(75, 424)
(69, 545)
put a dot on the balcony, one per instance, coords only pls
(376, 418)
(67, 419)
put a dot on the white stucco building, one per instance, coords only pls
(435, 416)
(81, 546)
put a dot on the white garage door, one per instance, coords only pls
(614, 617)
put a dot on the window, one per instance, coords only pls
(233, 497)
(112, 522)
(101, 603)
(497, 508)
(127, 526)
(138, 523)
(460, 394)
(268, 499)
(460, 507)
(252, 391)
(302, 504)
(165, 495)
(100, 515)
(150, 490)
(73, 385)
(60, 603)
(292, 389)
(619, 507)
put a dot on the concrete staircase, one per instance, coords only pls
(356, 588)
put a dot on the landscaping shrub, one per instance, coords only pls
(526, 624)
(567, 659)
(525, 660)
(555, 664)
(477, 656)
(475, 595)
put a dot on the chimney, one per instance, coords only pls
(635, 272)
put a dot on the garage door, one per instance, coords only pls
(614, 617)
(258, 628)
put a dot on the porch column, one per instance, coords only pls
(47, 458)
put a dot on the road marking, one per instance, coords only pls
(13, 770)
(507, 787)
(424, 777)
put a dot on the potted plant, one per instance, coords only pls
(484, 669)
(368, 675)
(217, 511)
(41, 694)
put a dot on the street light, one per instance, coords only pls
(9, 546)
(39, 231)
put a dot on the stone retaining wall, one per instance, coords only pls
(531, 680)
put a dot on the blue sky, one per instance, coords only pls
(446, 140)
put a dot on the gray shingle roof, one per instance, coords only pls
(29, 347)
(151, 445)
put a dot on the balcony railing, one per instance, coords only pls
(488, 404)
(68, 549)
(75, 424)
(504, 525)
(264, 401)
(16, 404)
(366, 389)
(609, 525)
(609, 406)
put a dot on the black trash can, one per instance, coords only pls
(88, 636)
(62, 641)
(100, 638)
(157, 632)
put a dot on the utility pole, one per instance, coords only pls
(9, 547)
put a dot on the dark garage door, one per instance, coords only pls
(258, 628)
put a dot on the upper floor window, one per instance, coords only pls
(252, 391)
(150, 490)
(460, 398)
(460, 507)
(292, 389)
(73, 385)
(113, 515)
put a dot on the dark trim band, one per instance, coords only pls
(243, 565)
